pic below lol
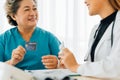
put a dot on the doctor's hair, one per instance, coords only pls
(11, 8)
(115, 4)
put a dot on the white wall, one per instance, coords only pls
(67, 19)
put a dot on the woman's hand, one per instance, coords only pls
(17, 55)
(50, 61)
(68, 60)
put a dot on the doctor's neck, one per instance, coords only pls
(106, 10)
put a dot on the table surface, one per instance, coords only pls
(88, 78)
(59, 74)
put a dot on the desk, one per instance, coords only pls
(59, 74)
(8, 72)
(88, 78)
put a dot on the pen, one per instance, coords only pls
(74, 75)
(61, 47)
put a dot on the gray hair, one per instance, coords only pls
(11, 8)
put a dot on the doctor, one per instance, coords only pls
(103, 57)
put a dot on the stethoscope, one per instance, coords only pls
(96, 32)
(113, 24)
(112, 32)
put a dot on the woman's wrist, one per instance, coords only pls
(10, 62)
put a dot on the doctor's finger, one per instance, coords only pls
(66, 51)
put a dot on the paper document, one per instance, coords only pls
(8, 72)
(56, 74)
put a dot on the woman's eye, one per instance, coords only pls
(34, 8)
(26, 10)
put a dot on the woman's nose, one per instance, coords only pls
(32, 12)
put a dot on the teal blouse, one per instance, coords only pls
(46, 44)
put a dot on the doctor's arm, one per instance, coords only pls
(68, 60)
(106, 68)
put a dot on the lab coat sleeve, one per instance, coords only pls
(106, 68)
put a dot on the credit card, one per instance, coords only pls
(30, 46)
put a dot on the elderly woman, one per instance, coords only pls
(27, 46)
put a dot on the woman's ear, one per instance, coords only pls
(13, 17)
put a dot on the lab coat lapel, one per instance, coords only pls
(107, 33)
(106, 36)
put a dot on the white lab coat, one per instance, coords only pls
(107, 59)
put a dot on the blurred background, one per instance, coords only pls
(67, 19)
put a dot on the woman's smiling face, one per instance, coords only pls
(27, 14)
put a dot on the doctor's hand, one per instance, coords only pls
(17, 55)
(50, 61)
(68, 60)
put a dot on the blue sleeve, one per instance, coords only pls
(2, 48)
(54, 44)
